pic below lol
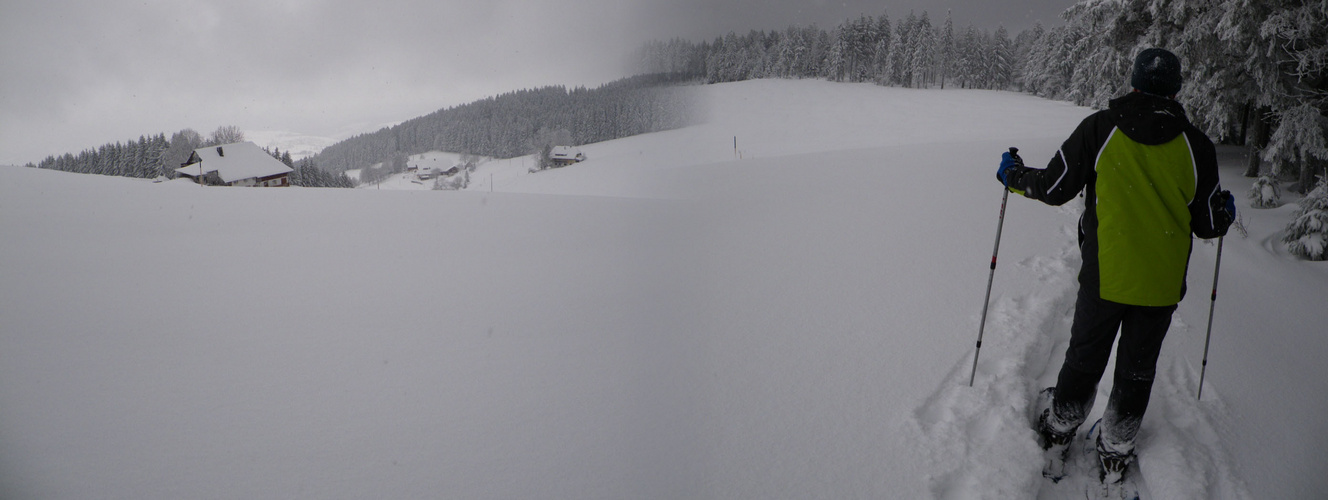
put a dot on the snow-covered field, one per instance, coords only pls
(669, 319)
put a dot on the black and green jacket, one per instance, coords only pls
(1150, 181)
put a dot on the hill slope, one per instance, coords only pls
(664, 320)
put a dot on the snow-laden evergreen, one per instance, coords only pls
(1307, 234)
(1265, 192)
(670, 318)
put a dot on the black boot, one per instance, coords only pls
(1115, 458)
(1055, 445)
(1114, 462)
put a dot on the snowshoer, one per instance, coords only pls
(1151, 181)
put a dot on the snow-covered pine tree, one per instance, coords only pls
(903, 52)
(924, 47)
(1001, 69)
(864, 41)
(836, 66)
(544, 160)
(1023, 48)
(1265, 193)
(1050, 66)
(123, 162)
(1297, 37)
(970, 59)
(885, 35)
(946, 48)
(819, 54)
(786, 53)
(143, 166)
(1218, 93)
(1307, 234)
(137, 154)
(1298, 142)
(890, 67)
(1104, 53)
(157, 154)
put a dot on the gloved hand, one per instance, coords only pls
(1008, 160)
(1224, 210)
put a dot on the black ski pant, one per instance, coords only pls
(1096, 322)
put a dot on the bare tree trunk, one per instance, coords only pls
(1308, 171)
(1245, 122)
(1252, 163)
(1258, 141)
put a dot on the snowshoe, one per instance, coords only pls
(1055, 445)
(1114, 471)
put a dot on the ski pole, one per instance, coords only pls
(1000, 224)
(1211, 305)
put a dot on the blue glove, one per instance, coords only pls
(1008, 160)
(1230, 204)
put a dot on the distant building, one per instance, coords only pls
(238, 164)
(562, 156)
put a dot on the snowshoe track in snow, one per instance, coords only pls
(979, 441)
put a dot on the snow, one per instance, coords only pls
(669, 319)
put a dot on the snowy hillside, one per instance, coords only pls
(672, 318)
(298, 145)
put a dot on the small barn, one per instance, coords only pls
(562, 156)
(237, 164)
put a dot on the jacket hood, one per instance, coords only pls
(1148, 119)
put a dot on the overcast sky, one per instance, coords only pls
(82, 73)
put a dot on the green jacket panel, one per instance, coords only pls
(1143, 232)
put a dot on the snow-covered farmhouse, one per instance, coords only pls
(562, 156)
(238, 164)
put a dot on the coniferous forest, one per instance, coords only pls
(144, 159)
(522, 122)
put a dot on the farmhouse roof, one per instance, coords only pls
(234, 162)
(567, 152)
